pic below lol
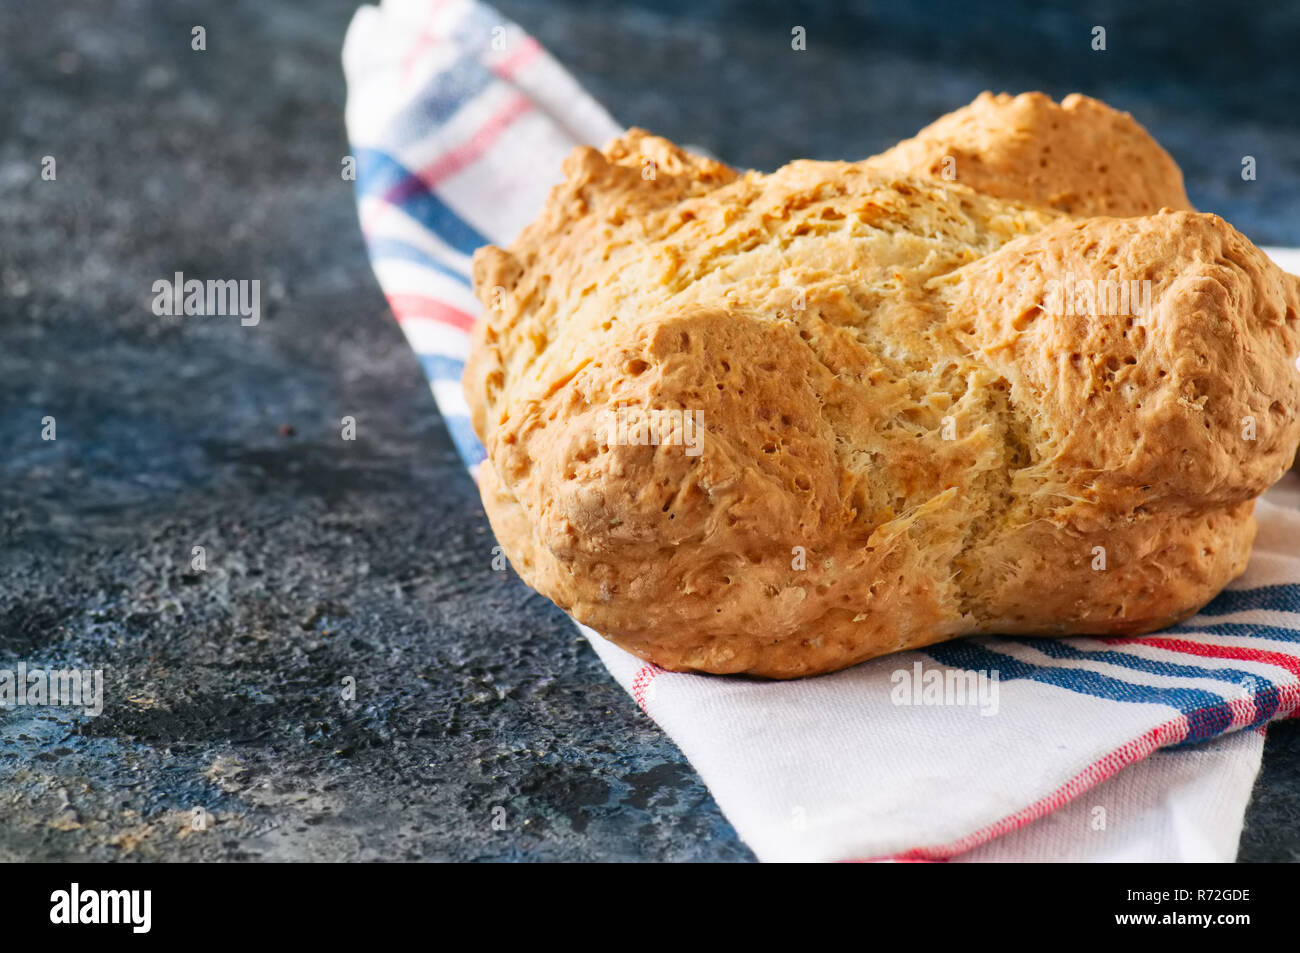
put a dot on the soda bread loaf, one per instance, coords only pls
(779, 424)
(1080, 157)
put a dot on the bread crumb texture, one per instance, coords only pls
(912, 421)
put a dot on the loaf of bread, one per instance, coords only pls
(1000, 379)
(1080, 157)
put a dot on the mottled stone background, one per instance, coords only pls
(371, 559)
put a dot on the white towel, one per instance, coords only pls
(979, 749)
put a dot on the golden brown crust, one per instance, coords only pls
(1080, 156)
(900, 438)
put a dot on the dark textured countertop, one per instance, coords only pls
(328, 559)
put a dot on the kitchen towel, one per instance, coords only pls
(978, 749)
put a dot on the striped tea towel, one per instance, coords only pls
(985, 748)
